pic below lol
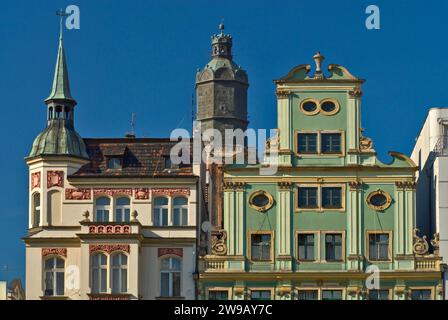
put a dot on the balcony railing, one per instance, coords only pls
(428, 263)
(211, 263)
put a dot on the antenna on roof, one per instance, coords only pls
(131, 134)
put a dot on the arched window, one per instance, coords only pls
(170, 277)
(50, 113)
(119, 273)
(122, 210)
(102, 208)
(54, 208)
(180, 211)
(161, 211)
(36, 210)
(54, 277)
(66, 113)
(98, 266)
(58, 110)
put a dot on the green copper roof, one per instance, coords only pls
(218, 62)
(61, 85)
(59, 139)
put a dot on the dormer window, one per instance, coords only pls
(114, 163)
(168, 164)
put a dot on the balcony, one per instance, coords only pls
(428, 263)
(212, 263)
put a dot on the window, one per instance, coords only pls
(99, 273)
(114, 163)
(331, 294)
(331, 142)
(307, 197)
(331, 197)
(161, 211)
(379, 247)
(333, 247)
(122, 210)
(170, 276)
(307, 142)
(260, 294)
(261, 201)
(218, 295)
(378, 294)
(58, 110)
(307, 295)
(328, 107)
(54, 277)
(261, 247)
(379, 200)
(119, 273)
(50, 113)
(180, 211)
(421, 294)
(167, 163)
(306, 247)
(36, 210)
(102, 207)
(309, 106)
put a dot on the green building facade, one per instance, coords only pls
(333, 222)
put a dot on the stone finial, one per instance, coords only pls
(86, 215)
(318, 58)
(134, 216)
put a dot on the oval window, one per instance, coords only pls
(379, 200)
(261, 200)
(309, 106)
(328, 106)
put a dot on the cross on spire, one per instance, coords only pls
(61, 13)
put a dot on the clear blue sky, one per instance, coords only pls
(141, 56)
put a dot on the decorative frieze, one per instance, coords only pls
(55, 179)
(117, 229)
(403, 185)
(112, 192)
(171, 191)
(141, 194)
(78, 194)
(170, 251)
(54, 251)
(283, 94)
(234, 186)
(356, 185)
(35, 180)
(284, 185)
(114, 297)
(109, 248)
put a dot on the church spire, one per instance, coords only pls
(61, 86)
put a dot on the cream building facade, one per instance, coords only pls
(109, 219)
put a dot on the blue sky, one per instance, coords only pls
(141, 56)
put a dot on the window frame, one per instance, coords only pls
(120, 162)
(306, 289)
(323, 235)
(109, 207)
(120, 269)
(37, 210)
(219, 289)
(100, 268)
(310, 113)
(389, 294)
(270, 289)
(417, 288)
(122, 209)
(181, 209)
(170, 273)
(329, 113)
(389, 250)
(317, 143)
(158, 210)
(319, 152)
(332, 289)
(320, 187)
(316, 245)
(272, 243)
(54, 271)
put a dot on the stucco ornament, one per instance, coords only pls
(421, 245)
(435, 243)
(366, 144)
(219, 246)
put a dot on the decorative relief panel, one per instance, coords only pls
(141, 194)
(172, 251)
(171, 191)
(35, 180)
(55, 179)
(78, 194)
(112, 192)
(54, 251)
(118, 229)
(109, 248)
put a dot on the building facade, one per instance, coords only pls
(331, 213)
(108, 218)
(431, 155)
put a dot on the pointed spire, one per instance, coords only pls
(61, 86)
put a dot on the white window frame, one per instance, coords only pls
(170, 273)
(158, 210)
(99, 268)
(121, 268)
(121, 210)
(54, 271)
(103, 208)
(183, 209)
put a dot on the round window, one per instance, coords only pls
(379, 200)
(261, 201)
(309, 107)
(328, 106)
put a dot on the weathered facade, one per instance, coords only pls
(332, 209)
